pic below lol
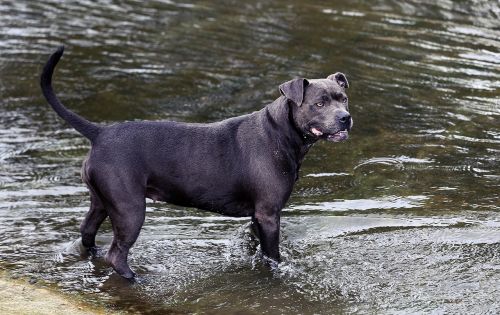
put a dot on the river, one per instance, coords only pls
(404, 217)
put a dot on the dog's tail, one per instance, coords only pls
(83, 126)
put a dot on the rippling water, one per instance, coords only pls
(404, 217)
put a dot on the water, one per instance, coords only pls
(402, 218)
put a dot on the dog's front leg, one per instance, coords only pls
(267, 223)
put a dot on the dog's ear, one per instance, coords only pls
(294, 90)
(340, 78)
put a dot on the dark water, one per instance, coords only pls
(403, 218)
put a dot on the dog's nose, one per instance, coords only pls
(344, 119)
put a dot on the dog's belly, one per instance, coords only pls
(230, 202)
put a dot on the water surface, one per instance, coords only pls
(402, 218)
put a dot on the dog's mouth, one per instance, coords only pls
(338, 136)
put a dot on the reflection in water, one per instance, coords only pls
(401, 218)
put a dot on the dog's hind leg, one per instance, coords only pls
(92, 221)
(96, 214)
(119, 194)
(127, 218)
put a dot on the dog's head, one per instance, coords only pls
(320, 106)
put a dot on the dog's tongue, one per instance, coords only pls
(316, 132)
(336, 137)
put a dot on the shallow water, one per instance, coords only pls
(402, 218)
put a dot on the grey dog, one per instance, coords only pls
(241, 166)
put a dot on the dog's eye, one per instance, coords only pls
(320, 104)
(344, 100)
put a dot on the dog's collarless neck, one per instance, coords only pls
(280, 114)
(306, 139)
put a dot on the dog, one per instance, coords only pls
(243, 166)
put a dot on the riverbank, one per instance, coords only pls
(18, 296)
